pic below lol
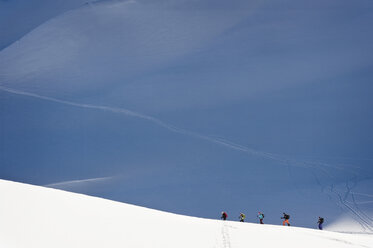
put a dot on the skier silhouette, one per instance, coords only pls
(320, 222)
(261, 217)
(242, 217)
(224, 215)
(286, 218)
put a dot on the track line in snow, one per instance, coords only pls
(362, 202)
(359, 215)
(363, 194)
(219, 141)
(75, 182)
(358, 209)
(225, 236)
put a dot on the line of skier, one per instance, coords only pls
(260, 216)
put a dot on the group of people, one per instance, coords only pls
(260, 216)
(242, 217)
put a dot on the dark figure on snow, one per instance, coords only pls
(321, 220)
(224, 215)
(242, 217)
(286, 218)
(261, 217)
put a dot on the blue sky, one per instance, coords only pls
(290, 80)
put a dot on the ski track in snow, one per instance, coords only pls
(74, 182)
(363, 194)
(359, 215)
(362, 202)
(362, 212)
(219, 141)
(284, 161)
(225, 235)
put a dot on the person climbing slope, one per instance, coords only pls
(261, 217)
(224, 215)
(320, 222)
(286, 218)
(242, 217)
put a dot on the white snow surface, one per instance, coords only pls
(34, 216)
(172, 64)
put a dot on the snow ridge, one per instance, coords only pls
(34, 216)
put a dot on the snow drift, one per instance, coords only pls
(33, 216)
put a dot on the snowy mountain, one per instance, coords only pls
(193, 107)
(33, 216)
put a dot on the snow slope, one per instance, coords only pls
(102, 44)
(195, 106)
(18, 17)
(33, 216)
